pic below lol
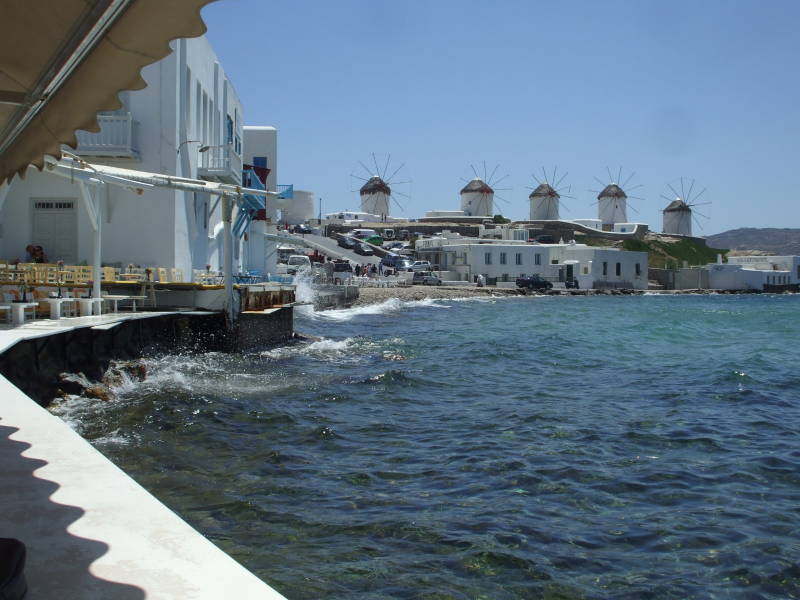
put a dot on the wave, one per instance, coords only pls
(392, 305)
(323, 348)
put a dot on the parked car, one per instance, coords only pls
(543, 239)
(421, 265)
(363, 250)
(347, 242)
(402, 264)
(389, 260)
(534, 282)
(302, 228)
(426, 278)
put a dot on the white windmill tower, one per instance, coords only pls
(545, 198)
(612, 201)
(477, 196)
(376, 193)
(679, 213)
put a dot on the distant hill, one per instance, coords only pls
(775, 241)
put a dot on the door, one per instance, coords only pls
(55, 229)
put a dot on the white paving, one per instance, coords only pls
(90, 530)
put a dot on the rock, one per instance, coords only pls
(99, 391)
(72, 384)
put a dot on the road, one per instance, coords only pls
(331, 248)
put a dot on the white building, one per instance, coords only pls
(375, 195)
(677, 218)
(612, 206)
(353, 217)
(300, 209)
(592, 267)
(187, 122)
(544, 203)
(754, 272)
(477, 199)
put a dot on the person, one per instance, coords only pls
(38, 255)
(30, 250)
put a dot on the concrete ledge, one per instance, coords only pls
(93, 532)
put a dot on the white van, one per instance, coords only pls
(363, 233)
(297, 262)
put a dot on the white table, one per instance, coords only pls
(133, 299)
(87, 306)
(18, 311)
(55, 305)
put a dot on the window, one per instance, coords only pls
(638, 269)
(198, 110)
(228, 129)
(519, 258)
(605, 268)
(537, 259)
(54, 205)
(487, 258)
(502, 258)
(619, 269)
(554, 261)
(188, 99)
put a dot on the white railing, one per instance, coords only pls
(221, 161)
(117, 137)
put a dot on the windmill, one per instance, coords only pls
(679, 213)
(477, 196)
(612, 201)
(376, 192)
(545, 198)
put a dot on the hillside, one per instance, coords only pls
(773, 240)
(663, 251)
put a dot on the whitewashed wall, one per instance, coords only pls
(187, 98)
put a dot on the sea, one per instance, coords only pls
(537, 447)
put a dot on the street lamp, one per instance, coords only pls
(190, 142)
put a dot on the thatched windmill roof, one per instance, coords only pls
(375, 185)
(477, 185)
(612, 191)
(678, 205)
(545, 190)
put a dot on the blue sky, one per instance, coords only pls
(705, 90)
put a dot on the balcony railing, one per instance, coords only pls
(220, 163)
(118, 137)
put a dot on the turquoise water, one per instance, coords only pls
(583, 447)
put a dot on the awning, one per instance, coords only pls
(62, 62)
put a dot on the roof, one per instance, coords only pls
(678, 205)
(545, 190)
(477, 185)
(375, 185)
(612, 191)
(63, 62)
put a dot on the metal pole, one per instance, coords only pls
(227, 255)
(96, 271)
